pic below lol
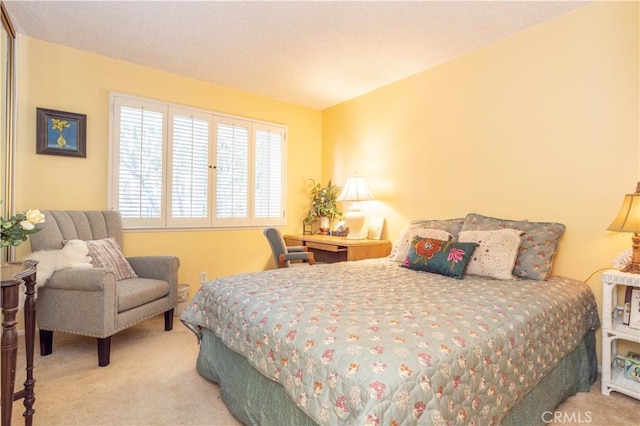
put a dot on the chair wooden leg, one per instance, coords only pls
(168, 320)
(46, 342)
(104, 351)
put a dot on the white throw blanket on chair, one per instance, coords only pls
(73, 255)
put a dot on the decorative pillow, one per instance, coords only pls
(452, 226)
(538, 244)
(447, 258)
(496, 253)
(409, 233)
(106, 253)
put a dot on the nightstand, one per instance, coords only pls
(613, 378)
(330, 249)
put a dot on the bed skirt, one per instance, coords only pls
(256, 400)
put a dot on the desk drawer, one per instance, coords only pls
(325, 247)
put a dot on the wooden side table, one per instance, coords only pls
(330, 249)
(13, 274)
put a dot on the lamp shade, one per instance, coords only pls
(628, 219)
(355, 189)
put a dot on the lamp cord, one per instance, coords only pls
(599, 270)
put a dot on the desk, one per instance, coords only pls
(330, 249)
(14, 274)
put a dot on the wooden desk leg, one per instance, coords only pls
(9, 349)
(29, 337)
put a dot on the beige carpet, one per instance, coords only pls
(152, 381)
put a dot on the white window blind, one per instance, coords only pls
(190, 168)
(268, 176)
(173, 167)
(231, 169)
(140, 168)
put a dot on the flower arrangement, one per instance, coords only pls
(15, 229)
(59, 126)
(324, 202)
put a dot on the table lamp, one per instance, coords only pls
(355, 190)
(628, 220)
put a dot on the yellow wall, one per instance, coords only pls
(543, 125)
(56, 77)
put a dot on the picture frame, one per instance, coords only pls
(310, 227)
(376, 224)
(61, 133)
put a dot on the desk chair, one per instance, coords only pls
(283, 255)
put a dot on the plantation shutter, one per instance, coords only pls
(268, 175)
(140, 159)
(232, 171)
(189, 168)
(173, 167)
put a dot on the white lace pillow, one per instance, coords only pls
(496, 253)
(404, 241)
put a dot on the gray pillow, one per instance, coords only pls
(539, 243)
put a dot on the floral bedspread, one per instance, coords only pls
(370, 342)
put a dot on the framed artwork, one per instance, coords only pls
(61, 133)
(375, 227)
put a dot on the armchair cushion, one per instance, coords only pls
(106, 253)
(134, 292)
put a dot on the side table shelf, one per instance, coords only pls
(613, 378)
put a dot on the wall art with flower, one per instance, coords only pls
(61, 133)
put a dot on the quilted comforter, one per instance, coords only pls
(371, 342)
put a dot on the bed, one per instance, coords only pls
(384, 341)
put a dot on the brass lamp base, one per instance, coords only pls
(633, 267)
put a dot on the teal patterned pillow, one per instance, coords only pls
(447, 258)
(452, 226)
(539, 243)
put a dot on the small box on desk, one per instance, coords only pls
(632, 366)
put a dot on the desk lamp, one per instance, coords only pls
(355, 190)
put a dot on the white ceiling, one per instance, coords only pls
(311, 53)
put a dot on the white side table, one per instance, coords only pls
(613, 378)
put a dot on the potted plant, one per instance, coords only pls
(324, 205)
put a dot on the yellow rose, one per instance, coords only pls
(34, 217)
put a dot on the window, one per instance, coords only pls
(176, 167)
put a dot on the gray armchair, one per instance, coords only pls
(91, 302)
(283, 254)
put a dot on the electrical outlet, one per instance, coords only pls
(203, 277)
